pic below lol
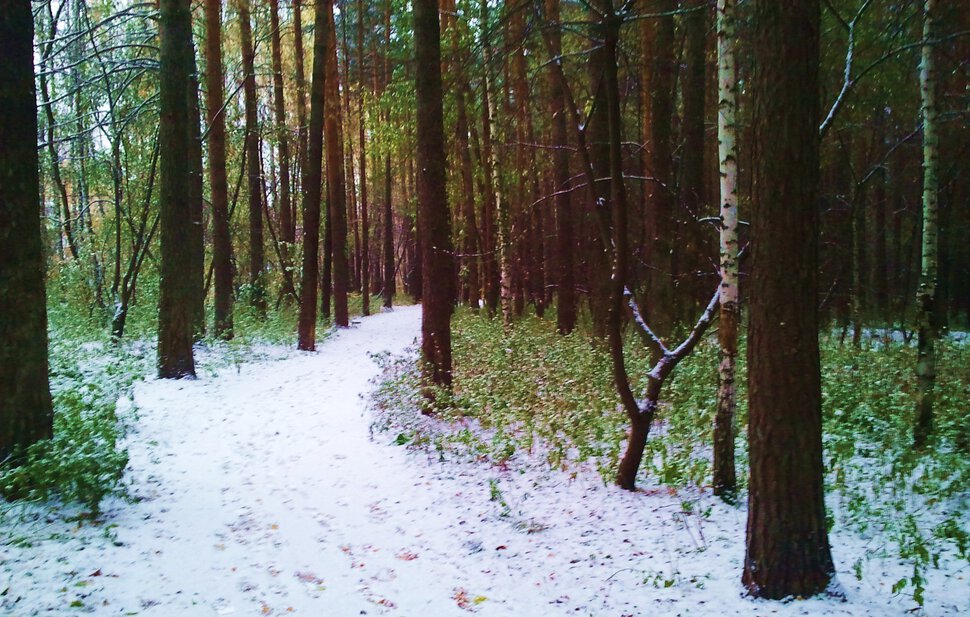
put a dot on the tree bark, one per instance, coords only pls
(336, 191)
(724, 475)
(219, 192)
(389, 282)
(927, 291)
(175, 304)
(659, 79)
(362, 139)
(282, 136)
(301, 134)
(310, 183)
(26, 414)
(257, 282)
(787, 539)
(434, 221)
(566, 283)
(690, 241)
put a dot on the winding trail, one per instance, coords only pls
(261, 493)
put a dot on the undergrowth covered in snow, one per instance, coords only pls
(533, 394)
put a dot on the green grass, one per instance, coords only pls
(536, 392)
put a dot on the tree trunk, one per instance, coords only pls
(175, 304)
(362, 139)
(660, 74)
(26, 414)
(492, 193)
(926, 294)
(690, 241)
(301, 135)
(434, 221)
(312, 170)
(221, 239)
(389, 278)
(724, 475)
(257, 282)
(282, 135)
(333, 134)
(196, 246)
(787, 540)
(566, 284)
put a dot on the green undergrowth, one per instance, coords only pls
(533, 392)
(85, 460)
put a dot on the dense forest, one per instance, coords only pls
(716, 246)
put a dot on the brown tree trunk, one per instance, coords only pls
(660, 74)
(362, 139)
(389, 282)
(691, 242)
(491, 181)
(221, 240)
(257, 283)
(196, 246)
(289, 235)
(468, 272)
(333, 135)
(176, 291)
(566, 283)
(282, 135)
(26, 414)
(787, 539)
(433, 218)
(312, 170)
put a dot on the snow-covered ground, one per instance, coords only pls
(262, 493)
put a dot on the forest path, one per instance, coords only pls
(262, 493)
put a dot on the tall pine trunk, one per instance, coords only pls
(565, 284)
(26, 414)
(337, 220)
(221, 240)
(362, 139)
(434, 222)
(257, 282)
(285, 205)
(310, 184)
(787, 539)
(176, 290)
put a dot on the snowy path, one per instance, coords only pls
(264, 495)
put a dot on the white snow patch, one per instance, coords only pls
(262, 494)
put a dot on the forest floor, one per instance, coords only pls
(260, 491)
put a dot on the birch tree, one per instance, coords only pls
(725, 479)
(926, 294)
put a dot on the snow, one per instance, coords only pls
(261, 492)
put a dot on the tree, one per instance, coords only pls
(929, 254)
(725, 477)
(434, 222)
(337, 196)
(282, 135)
(312, 171)
(257, 282)
(659, 79)
(364, 218)
(787, 539)
(219, 192)
(26, 414)
(566, 285)
(388, 250)
(176, 311)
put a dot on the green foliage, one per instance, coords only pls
(84, 461)
(533, 391)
